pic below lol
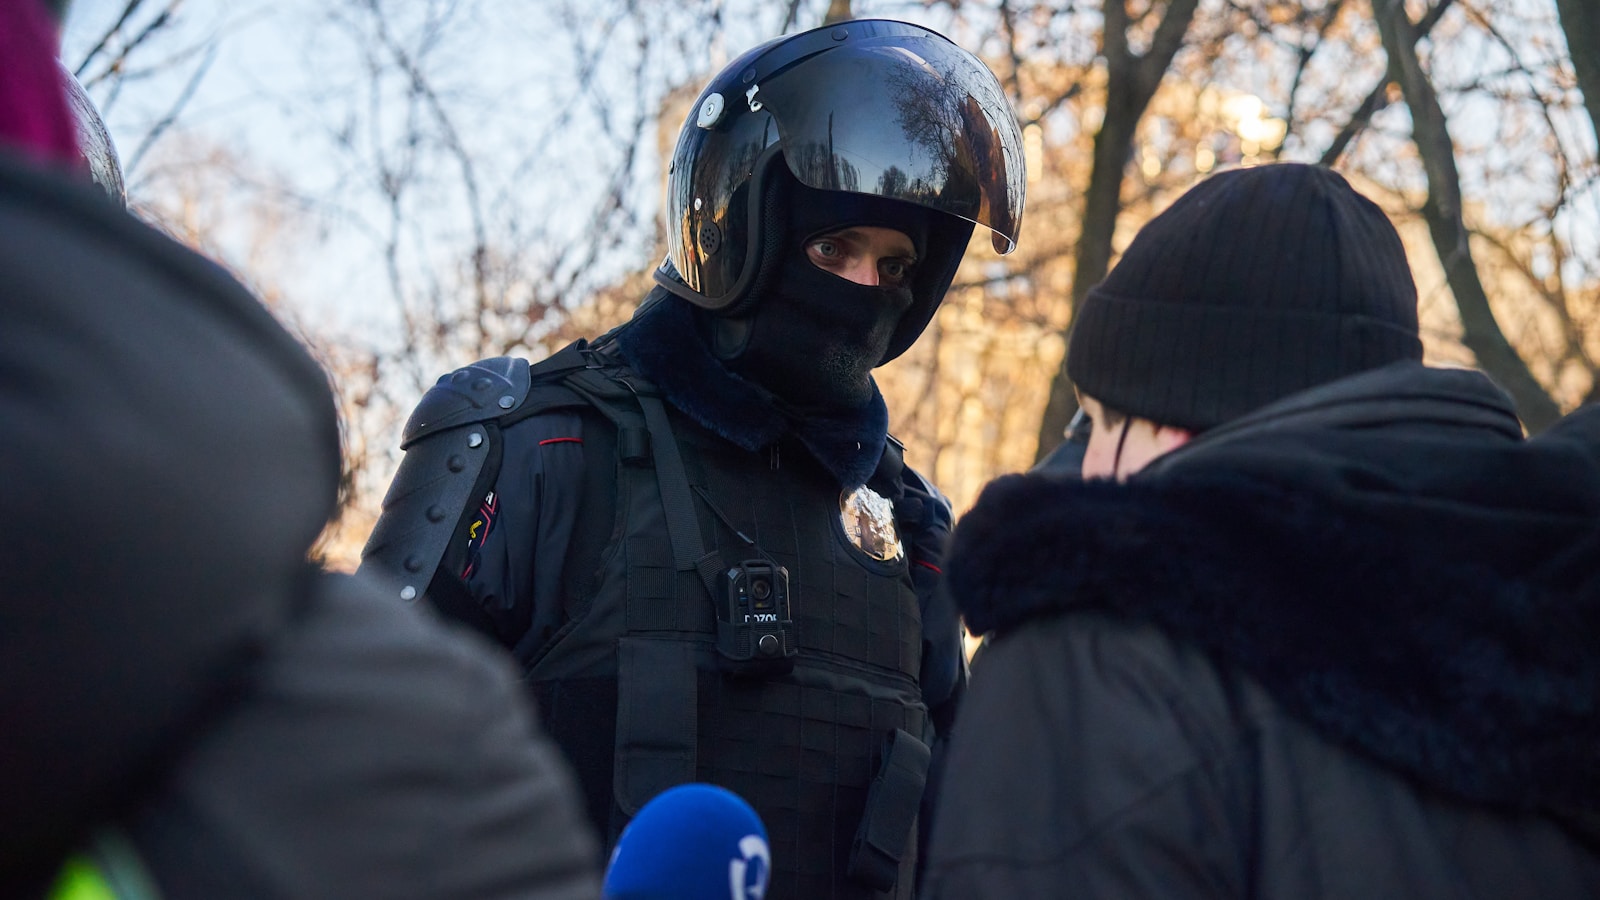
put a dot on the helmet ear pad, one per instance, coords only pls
(728, 329)
(727, 337)
(948, 237)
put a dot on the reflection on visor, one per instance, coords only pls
(926, 122)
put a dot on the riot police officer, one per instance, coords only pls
(695, 532)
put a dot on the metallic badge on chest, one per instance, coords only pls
(868, 519)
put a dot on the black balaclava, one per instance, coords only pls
(811, 337)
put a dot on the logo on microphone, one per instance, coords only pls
(747, 876)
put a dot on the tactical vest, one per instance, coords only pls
(635, 691)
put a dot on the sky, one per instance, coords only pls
(287, 88)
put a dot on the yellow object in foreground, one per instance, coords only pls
(109, 870)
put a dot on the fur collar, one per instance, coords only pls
(1451, 638)
(663, 343)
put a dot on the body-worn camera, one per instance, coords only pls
(755, 632)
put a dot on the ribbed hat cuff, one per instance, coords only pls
(1195, 366)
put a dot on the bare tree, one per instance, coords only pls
(458, 204)
(1378, 98)
(838, 11)
(1443, 212)
(1580, 20)
(149, 42)
(1131, 80)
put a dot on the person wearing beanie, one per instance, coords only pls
(191, 707)
(695, 532)
(1318, 620)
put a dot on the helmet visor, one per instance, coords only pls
(909, 117)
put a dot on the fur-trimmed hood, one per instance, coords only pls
(1424, 586)
(664, 344)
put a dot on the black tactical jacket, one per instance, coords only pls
(565, 559)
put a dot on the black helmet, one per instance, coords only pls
(870, 106)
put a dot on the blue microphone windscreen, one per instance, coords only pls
(692, 842)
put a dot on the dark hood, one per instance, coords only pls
(169, 455)
(1386, 555)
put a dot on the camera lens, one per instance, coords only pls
(761, 589)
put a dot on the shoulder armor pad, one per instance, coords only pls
(487, 389)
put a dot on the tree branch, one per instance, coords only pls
(105, 39)
(1131, 82)
(1378, 97)
(1442, 211)
(1580, 19)
(175, 110)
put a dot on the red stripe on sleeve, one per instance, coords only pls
(565, 440)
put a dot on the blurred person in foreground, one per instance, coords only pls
(189, 704)
(1319, 621)
(695, 533)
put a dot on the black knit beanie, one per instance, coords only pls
(1254, 285)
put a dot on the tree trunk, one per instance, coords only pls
(1442, 210)
(1580, 19)
(1378, 97)
(1130, 83)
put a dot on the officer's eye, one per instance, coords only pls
(827, 249)
(895, 271)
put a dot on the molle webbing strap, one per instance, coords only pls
(683, 527)
(657, 696)
(614, 398)
(886, 827)
(656, 744)
(656, 719)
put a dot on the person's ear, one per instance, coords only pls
(1170, 437)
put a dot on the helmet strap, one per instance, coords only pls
(729, 336)
(766, 246)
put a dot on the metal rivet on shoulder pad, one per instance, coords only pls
(408, 593)
(435, 514)
(507, 401)
(475, 439)
(839, 34)
(413, 564)
(456, 463)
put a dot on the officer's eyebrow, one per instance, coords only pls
(903, 247)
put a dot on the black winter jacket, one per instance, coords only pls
(1345, 647)
(171, 666)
